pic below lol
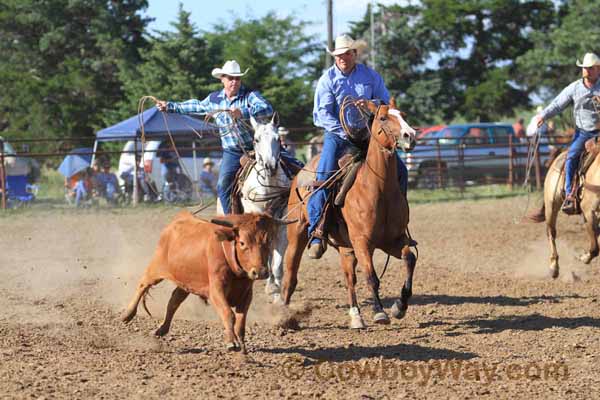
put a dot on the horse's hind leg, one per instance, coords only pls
(348, 263)
(177, 297)
(591, 228)
(399, 308)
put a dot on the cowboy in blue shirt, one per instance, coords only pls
(345, 78)
(586, 114)
(242, 103)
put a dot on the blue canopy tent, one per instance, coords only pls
(154, 127)
(157, 126)
(77, 160)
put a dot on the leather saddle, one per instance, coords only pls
(349, 165)
(592, 149)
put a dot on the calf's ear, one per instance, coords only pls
(225, 234)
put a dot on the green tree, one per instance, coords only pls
(280, 57)
(60, 62)
(175, 66)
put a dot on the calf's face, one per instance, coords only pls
(252, 243)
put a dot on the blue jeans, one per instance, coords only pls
(334, 148)
(80, 192)
(230, 164)
(575, 150)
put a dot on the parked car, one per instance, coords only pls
(190, 165)
(472, 152)
(429, 131)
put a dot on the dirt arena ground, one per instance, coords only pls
(485, 321)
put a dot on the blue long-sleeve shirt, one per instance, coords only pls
(584, 112)
(250, 103)
(333, 86)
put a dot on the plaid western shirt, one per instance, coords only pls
(250, 103)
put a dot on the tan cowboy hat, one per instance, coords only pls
(589, 60)
(207, 161)
(281, 131)
(343, 43)
(231, 68)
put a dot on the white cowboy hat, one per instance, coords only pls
(281, 131)
(207, 161)
(343, 43)
(589, 60)
(231, 68)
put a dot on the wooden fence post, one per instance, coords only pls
(439, 164)
(2, 174)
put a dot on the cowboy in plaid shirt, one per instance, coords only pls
(242, 103)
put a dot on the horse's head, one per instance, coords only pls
(266, 145)
(390, 120)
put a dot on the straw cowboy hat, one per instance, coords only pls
(589, 60)
(231, 68)
(343, 43)
(281, 131)
(207, 161)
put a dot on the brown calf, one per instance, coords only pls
(217, 260)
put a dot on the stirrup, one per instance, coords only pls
(569, 207)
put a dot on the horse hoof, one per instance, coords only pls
(278, 300)
(554, 273)
(162, 331)
(586, 258)
(381, 318)
(271, 288)
(397, 311)
(356, 321)
(231, 346)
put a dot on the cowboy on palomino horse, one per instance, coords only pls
(581, 95)
(345, 78)
(583, 197)
(242, 103)
(374, 213)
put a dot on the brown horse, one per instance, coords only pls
(590, 202)
(374, 216)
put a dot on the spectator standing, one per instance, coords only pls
(208, 180)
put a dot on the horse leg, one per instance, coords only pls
(591, 228)
(297, 236)
(552, 207)
(399, 308)
(365, 257)
(348, 263)
(273, 286)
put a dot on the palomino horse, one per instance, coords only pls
(374, 216)
(590, 202)
(265, 189)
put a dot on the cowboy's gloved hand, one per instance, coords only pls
(236, 113)
(161, 105)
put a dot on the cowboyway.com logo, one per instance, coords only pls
(425, 372)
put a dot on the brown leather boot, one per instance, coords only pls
(316, 249)
(568, 207)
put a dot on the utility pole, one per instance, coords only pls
(328, 61)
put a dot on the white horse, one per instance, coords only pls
(266, 189)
